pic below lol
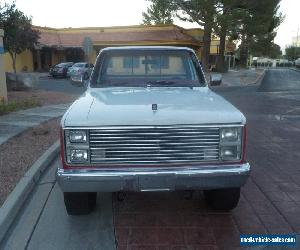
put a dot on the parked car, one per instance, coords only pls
(297, 63)
(149, 122)
(60, 70)
(80, 71)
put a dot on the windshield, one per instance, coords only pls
(63, 64)
(141, 68)
(79, 65)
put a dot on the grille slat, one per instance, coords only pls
(132, 155)
(126, 151)
(138, 146)
(173, 142)
(154, 145)
(187, 133)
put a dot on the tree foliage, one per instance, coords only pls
(202, 12)
(258, 26)
(229, 14)
(18, 32)
(253, 23)
(159, 12)
(270, 50)
(292, 53)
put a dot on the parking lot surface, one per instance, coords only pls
(270, 201)
(60, 85)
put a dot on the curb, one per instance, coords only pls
(259, 78)
(18, 196)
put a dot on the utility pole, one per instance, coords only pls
(297, 43)
(3, 89)
(297, 39)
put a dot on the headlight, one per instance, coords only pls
(79, 155)
(76, 146)
(231, 143)
(230, 134)
(230, 153)
(77, 136)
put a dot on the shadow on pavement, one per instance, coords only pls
(280, 80)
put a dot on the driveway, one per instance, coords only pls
(270, 201)
(59, 85)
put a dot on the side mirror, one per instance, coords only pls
(79, 81)
(215, 79)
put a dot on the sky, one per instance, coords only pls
(102, 13)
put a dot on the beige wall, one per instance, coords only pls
(229, 47)
(23, 60)
(214, 47)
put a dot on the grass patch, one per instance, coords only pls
(15, 106)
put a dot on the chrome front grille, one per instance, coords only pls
(143, 145)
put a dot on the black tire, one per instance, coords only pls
(222, 199)
(80, 203)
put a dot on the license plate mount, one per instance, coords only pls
(156, 183)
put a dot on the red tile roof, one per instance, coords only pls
(75, 37)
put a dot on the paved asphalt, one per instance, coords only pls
(60, 85)
(270, 201)
(280, 80)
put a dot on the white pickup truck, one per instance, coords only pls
(149, 122)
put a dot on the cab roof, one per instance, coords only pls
(175, 48)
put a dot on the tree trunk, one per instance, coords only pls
(244, 53)
(221, 56)
(14, 59)
(206, 47)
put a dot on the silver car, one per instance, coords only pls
(297, 63)
(80, 71)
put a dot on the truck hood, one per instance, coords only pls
(133, 106)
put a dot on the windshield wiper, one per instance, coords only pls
(161, 82)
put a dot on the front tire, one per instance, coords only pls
(80, 203)
(222, 199)
(85, 76)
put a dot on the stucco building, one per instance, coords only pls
(61, 45)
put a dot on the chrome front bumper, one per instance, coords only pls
(153, 179)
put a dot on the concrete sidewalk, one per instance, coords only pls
(44, 224)
(16, 122)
